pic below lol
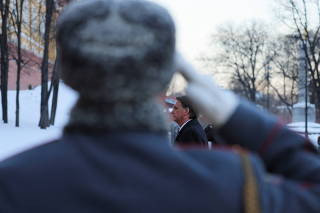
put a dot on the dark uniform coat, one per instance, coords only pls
(141, 172)
(191, 133)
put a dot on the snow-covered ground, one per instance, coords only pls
(16, 139)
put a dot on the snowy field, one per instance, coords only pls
(16, 139)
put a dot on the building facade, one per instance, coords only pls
(32, 42)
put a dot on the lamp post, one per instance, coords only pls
(304, 48)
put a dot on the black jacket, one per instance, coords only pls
(192, 134)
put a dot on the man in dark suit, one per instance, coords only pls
(190, 132)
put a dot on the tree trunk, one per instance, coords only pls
(317, 102)
(44, 112)
(18, 84)
(4, 9)
(55, 83)
(19, 9)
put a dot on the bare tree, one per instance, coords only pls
(243, 53)
(4, 10)
(303, 19)
(44, 112)
(285, 70)
(55, 80)
(16, 21)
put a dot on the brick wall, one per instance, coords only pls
(30, 73)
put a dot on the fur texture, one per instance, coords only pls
(118, 54)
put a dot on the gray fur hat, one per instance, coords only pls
(116, 49)
(118, 54)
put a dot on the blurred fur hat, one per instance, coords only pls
(116, 50)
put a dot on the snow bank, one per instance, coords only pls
(16, 139)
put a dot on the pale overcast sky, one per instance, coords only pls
(197, 19)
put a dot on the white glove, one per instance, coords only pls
(216, 104)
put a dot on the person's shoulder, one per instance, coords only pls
(223, 159)
(195, 125)
(192, 124)
(200, 153)
(221, 162)
(195, 122)
(39, 155)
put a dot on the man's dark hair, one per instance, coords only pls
(185, 102)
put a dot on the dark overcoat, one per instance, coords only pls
(191, 133)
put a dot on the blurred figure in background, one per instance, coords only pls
(211, 135)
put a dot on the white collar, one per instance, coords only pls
(184, 124)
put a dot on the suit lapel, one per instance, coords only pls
(184, 128)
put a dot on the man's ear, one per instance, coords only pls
(187, 110)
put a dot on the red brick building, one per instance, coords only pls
(31, 69)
